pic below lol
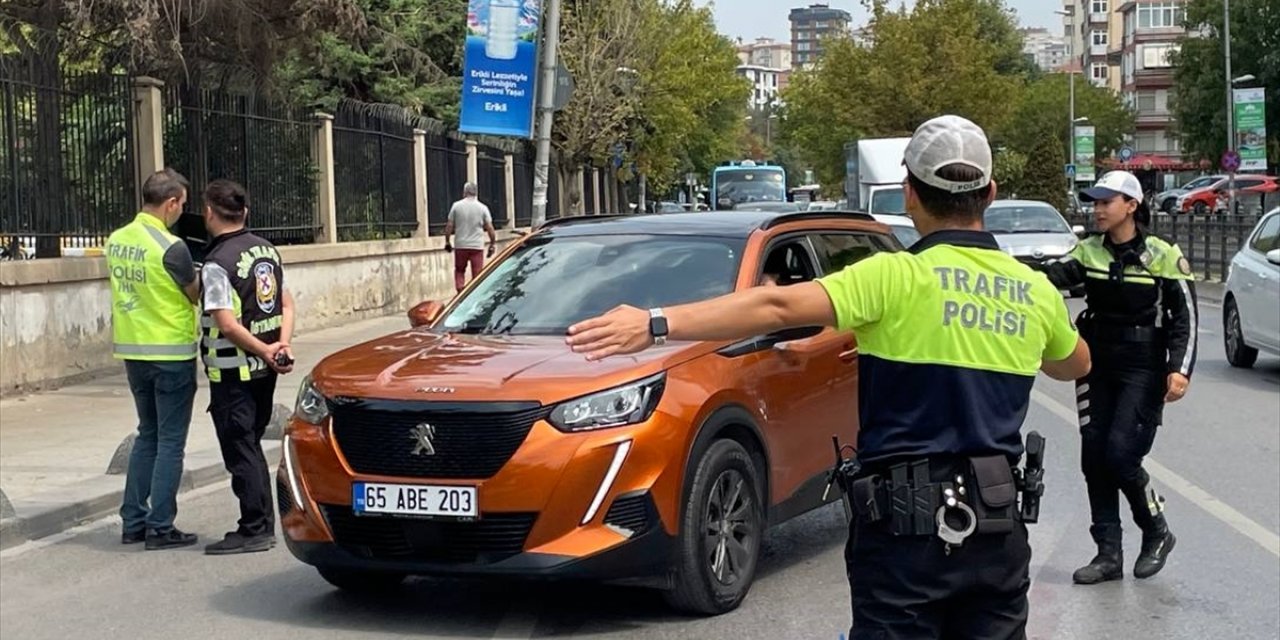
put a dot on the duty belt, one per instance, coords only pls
(1099, 329)
(952, 500)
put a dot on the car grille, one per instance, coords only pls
(470, 441)
(634, 512)
(494, 537)
(284, 499)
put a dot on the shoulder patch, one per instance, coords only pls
(1184, 266)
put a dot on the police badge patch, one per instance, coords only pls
(1184, 266)
(264, 276)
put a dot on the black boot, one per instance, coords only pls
(1107, 565)
(1157, 542)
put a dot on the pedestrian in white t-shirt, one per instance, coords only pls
(470, 220)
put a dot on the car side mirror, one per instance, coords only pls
(1273, 256)
(1078, 229)
(425, 313)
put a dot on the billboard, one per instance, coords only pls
(1085, 154)
(500, 71)
(1251, 128)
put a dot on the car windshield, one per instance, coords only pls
(1032, 218)
(888, 201)
(750, 185)
(550, 283)
(1202, 182)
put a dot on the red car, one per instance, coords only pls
(1215, 198)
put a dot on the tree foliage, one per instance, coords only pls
(941, 56)
(1200, 91)
(1043, 112)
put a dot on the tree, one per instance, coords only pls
(1200, 86)
(1043, 179)
(1043, 110)
(940, 57)
(1009, 168)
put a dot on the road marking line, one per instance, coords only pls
(1201, 498)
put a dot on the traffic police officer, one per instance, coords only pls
(1141, 321)
(246, 325)
(951, 334)
(153, 323)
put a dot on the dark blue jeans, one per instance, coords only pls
(164, 393)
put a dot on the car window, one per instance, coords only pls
(1247, 183)
(1200, 182)
(550, 282)
(1031, 218)
(839, 250)
(787, 263)
(1268, 236)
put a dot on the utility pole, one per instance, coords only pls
(546, 116)
(1231, 103)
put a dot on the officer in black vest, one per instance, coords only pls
(246, 325)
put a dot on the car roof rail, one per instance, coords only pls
(562, 221)
(800, 216)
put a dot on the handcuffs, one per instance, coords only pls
(952, 537)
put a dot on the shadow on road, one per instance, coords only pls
(481, 608)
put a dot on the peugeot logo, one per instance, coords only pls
(422, 436)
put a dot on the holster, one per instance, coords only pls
(996, 494)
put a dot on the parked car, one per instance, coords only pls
(476, 443)
(1213, 199)
(1251, 306)
(775, 207)
(1032, 231)
(1167, 201)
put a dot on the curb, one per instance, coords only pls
(51, 516)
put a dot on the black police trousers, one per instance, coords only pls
(241, 412)
(1120, 405)
(909, 587)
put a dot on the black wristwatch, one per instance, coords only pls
(658, 327)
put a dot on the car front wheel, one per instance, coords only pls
(720, 534)
(1239, 354)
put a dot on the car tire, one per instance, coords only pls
(1239, 354)
(1167, 205)
(717, 564)
(1200, 208)
(358, 581)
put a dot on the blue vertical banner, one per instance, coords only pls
(501, 68)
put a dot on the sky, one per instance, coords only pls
(750, 19)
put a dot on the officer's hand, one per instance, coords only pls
(623, 330)
(1177, 387)
(276, 350)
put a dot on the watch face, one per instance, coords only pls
(658, 326)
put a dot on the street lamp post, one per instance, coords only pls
(1071, 109)
(542, 159)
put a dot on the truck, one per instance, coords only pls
(874, 174)
(747, 182)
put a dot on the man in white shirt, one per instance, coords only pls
(471, 220)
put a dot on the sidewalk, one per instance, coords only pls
(56, 447)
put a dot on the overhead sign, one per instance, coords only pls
(1251, 128)
(500, 72)
(1071, 170)
(1085, 150)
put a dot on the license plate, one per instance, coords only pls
(434, 501)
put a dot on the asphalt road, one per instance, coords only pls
(1216, 459)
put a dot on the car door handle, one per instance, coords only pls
(849, 355)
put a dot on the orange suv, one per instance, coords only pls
(477, 443)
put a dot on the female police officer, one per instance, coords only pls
(1140, 324)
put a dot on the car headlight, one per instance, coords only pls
(629, 404)
(311, 405)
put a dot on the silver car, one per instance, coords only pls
(1251, 306)
(1032, 231)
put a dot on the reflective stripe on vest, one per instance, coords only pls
(184, 350)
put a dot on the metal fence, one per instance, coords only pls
(1209, 241)
(212, 134)
(491, 180)
(67, 147)
(373, 173)
(446, 173)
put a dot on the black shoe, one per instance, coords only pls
(171, 539)
(133, 537)
(1155, 548)
(236, 542)
(1107, 565)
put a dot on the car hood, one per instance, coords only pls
(1028, 244)
(424, 365)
